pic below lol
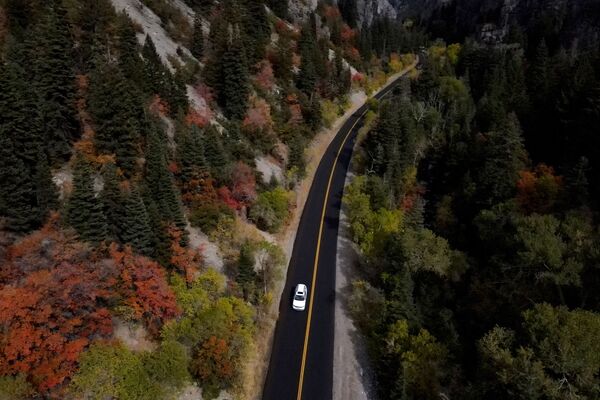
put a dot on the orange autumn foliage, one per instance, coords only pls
(52, 296)
(213, 360)
(187, 260)
(144, 287)
(194, 117)
(539, 190)
(264, 78)
(198, 190)
(258, 117)
(158, 106)
(244, 183)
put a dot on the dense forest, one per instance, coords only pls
(475, 210)
(138, 223)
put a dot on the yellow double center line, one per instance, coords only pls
(316, 265)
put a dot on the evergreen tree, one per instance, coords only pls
(197, 46)
(539, 77)
(246, 276)
(283, 63)
(117, 115)
(257, 30)
(233, 94)
(84, 210)
(279, 7)
(46, 195)
(17, 191)
(130, 61)
(214, 152)
(307, 78)
(160, 183)
(53, 66)
(161, 242)
(20, 118)
(349, 11)
(159, 79)
(136, 229)
(112, 201)
(191, 153)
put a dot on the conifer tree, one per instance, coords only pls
(191, 152)
(46, 195)
(197, 46)
(246, 275)
(20, 118)
(130, 61)
(17, 191)
(51, 50)
(112, 201)
(161, 246)
(214, 152)
(160, 183)
(279, 7)
(136, 223)
(307, 78)
(257, 30)
(117, 115)
(233, 94)
(159, 79)
(84, 210)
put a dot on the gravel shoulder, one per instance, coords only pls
(353, 376)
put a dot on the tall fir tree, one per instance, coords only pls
(53, 66)
(197, 46)
(130, 61)
(118, 115)
(112, 201)
(84, 209)
(233, 94)
(160, 182)
(136, 229)
(279, 7)
(18, 202)
(214, 152)
(257, 30)
(45, 189)
(191, 152)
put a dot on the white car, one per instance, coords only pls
(300, 295)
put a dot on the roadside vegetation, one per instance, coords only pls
(475, 213)
(119, 151)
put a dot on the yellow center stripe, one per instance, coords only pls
(316, 265)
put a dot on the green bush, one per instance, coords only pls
(15, 388)
(271, 209)
(208, 217)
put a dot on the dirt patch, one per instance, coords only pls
(133, 336)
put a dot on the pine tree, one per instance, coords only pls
(51, 51)
(246, 275)
(160, 182)
(257, 30)
(46, 195)
(159, 79)
(20, 118)
(191, 153)
(136, 223)
(161, 246)
(17, 191)
(307, 78)
(130, 61)
(197, 46)
(214, 152)
(112, 202)
(279, 7)
(117, 115)
(84, 210)
(233, 94)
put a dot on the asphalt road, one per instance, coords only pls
(301, 365)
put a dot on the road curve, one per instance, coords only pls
(301, 365)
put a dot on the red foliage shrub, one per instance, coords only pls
(539, 190)
(258, 117)
(158, 106)
(198, 190)
(144, 287)
(51, 306)
(226, 197)
(265, 79)
(244, 183)
(347, 34)
(197, 118)
(186, 259)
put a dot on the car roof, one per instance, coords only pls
(300, 287)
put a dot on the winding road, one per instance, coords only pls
(301, 365)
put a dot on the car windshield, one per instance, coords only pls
(299, 296)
